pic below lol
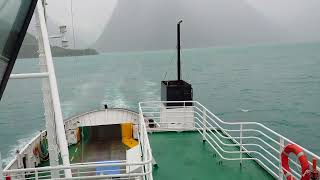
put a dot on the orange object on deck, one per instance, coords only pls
(36, 150)
(292, 148)
(315, 172)
(78, 135)
(127, 135)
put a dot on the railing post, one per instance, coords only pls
(129, 171)
(204, 117)
(241, 148)
(36, 176)
(184, 115)
(1, 170)
(164, 116)
(281, 141)
(78, 172)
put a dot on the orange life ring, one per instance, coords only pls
(292, 148)
(36, 150)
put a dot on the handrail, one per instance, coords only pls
(82, 166)
(260, 132)
(16, 173)
(146, 149)
(219, 134)
(68, 120)
(89, 170)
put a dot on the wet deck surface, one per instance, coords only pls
(183, 156)
(101, 143)
(97, 144)
(97, 151)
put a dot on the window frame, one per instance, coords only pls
(17, 46)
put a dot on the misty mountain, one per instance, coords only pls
(151, 24)
(53, 29)
(29, 49)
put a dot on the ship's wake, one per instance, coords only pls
(18, 146)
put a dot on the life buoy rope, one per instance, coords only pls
(305, 171)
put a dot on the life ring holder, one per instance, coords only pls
(292, 148)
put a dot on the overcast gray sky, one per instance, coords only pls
(287, 11)
(91, 16)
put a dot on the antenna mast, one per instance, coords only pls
(178, 51)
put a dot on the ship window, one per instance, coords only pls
(15, 17)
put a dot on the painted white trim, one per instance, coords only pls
(133, 155)
(29, 75)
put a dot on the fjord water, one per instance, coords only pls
(278, 85)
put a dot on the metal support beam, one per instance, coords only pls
(204, 120)
(48, 106)
(281, 146)
(29, 75)
(241, 147)
(58, 118)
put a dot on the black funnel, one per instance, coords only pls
(177, 90)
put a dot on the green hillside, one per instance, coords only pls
(29, 49)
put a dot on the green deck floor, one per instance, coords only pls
(183, 156)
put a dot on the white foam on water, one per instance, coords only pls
(244, 110)
(120, 102)
(70, 106)
(18, 146)
(117, 100)
(149, 90)
(150, 84)
(83, 89)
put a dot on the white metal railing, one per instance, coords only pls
(145, 146)
(83, 171)
(73, 123)
(141, 170)
(235, 141)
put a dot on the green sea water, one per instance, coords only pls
(278, 85)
